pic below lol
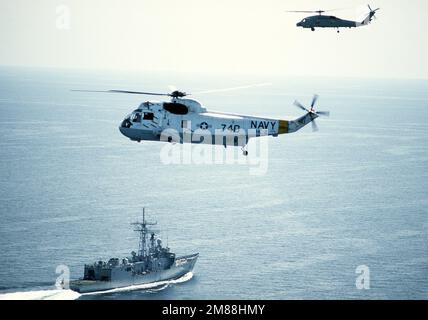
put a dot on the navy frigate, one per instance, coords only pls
(153, 263)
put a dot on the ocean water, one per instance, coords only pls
(352, 194)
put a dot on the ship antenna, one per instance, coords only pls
(142, 228)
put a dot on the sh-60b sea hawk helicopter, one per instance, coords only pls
(169, 121)
(324, 21)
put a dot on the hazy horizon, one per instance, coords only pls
(217, 37)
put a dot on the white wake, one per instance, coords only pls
(55, 294)
(146, 286)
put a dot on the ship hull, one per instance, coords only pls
(181, 266)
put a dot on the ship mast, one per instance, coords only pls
(144, 231)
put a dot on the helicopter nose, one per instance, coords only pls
(123, 130)
(126, 129)
(299, 24)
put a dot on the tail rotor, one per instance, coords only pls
(371, 16)
(312, 113)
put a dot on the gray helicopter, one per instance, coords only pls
(325, 21)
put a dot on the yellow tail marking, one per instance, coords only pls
(283, 127)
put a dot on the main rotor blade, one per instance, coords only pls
(306, 11)
(323, 113)
(124, 91)
(234, 88)
(78, 90)
(316, 11)
(299, 105)
(139, 92)
(314, 100)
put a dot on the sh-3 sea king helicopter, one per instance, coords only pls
(169, 121)
(324, 21)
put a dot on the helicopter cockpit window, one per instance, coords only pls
(148, 116)
(175, 108)
(136, 117)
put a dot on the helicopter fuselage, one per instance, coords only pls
(186, 121)
(321, 21)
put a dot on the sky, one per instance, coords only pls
(215, 36)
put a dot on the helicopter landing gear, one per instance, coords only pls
(313, 29)
(244, 151)
(338, 31)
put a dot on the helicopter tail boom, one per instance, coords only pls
(296, 125)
